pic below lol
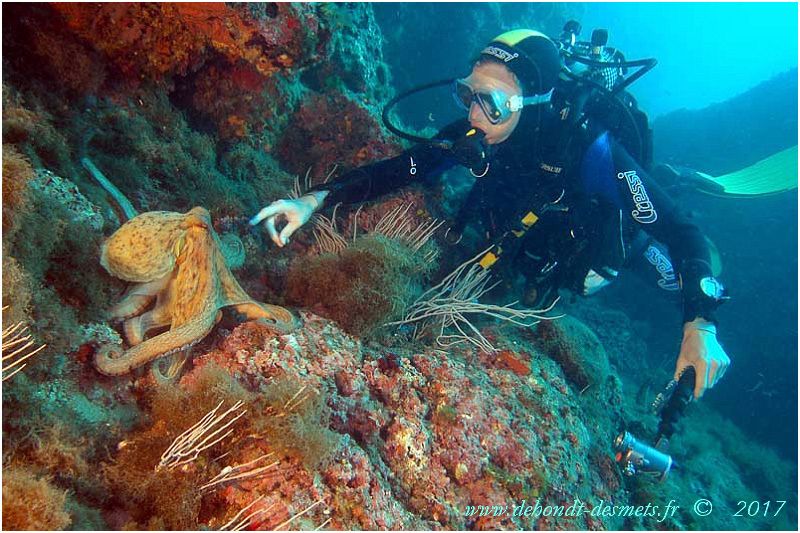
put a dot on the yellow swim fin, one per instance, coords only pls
(773, 175)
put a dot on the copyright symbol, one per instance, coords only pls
(702, 507)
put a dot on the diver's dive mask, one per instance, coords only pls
(495, 103)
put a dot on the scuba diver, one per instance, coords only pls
(562, 200)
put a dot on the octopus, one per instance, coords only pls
(177, 261)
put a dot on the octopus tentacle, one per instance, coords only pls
(111, 362)
(275, 314)
(174, 362)
(234, 295)
(136, 328)
(230, 289)
(131, 305)
(138, 298)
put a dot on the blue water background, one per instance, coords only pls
(707, 52)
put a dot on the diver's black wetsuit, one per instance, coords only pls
(591, 212)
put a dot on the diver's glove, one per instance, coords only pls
(701, 350)
(594, 281)
(470, 150)
(296, 212)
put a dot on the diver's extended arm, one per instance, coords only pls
(361, 184)
(376, 179)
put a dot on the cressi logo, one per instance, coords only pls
(656, 257)
(644, 213)
(499, 53)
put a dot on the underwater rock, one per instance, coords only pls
(67, 194)
(413, 32)
(435, 431)
(355, 54)
(622, 337)
(158, 41)
(746, 128)
(50, 273)
(240, 101)
(576, 349)
(370, 438)
(517, 363)
(220, 59)
(332, 129)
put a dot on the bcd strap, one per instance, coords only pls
(488, 260)
(494, 253)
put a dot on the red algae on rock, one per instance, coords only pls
(160, 40)
(332, 129)
(427, 435)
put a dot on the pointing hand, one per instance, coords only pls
(295, 212)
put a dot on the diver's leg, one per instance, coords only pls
(679, 179)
